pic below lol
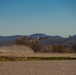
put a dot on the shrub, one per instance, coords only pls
(22, 41)
(47, 49)
(68, 50)
(74, 47)
(58, 48)
(36, 46)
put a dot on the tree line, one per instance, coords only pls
(36, 46)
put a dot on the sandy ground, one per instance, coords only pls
(53, 67)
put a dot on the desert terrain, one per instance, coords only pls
(35, 67)
(53, 67)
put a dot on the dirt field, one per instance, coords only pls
(49, 67)
(52, 67)
(38, 54)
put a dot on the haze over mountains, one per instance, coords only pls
(8, 40)
(13, 37)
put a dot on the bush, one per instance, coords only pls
(22, 41)
(74, 47)
(58, 48)
(34, 44)
(68, 50)
(47, 49)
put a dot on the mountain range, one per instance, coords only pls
(8, 40)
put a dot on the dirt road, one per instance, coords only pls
(53, 67)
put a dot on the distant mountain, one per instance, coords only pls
(38, 35)
(8, 40)
(58, 37)
(44, 35)
(11, 38)
(72, 37)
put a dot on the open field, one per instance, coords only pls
(23, 51)
(45, 67)
(53, 67)
(38, 54)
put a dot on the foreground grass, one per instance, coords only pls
(3, 58)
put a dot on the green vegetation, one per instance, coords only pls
(3, 58)
(51, 58)
(6, 58)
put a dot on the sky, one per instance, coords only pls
(25, 17)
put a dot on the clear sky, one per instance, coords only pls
(24, 17)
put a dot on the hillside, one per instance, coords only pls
(15, 49)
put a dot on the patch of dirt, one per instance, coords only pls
(57, 67)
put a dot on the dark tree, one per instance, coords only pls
(74, 47)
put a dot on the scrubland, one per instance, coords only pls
(38, 66)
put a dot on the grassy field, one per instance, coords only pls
(5, 58)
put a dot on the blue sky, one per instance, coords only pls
(24, 17)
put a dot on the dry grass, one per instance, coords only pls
(15, 49)
(38, 54)
(38, 68)
(52, 67)
(23, 51)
